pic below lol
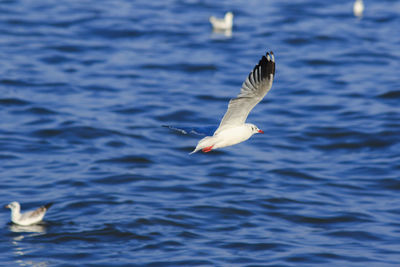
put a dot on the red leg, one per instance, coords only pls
(207, 149)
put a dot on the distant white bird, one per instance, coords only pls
(29, 217)
(358, 8)
(233, 129)
(222, 24)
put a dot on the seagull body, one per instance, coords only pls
(233, 129)
(29, 217)
(358, 8)
(222, 24)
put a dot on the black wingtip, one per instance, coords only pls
(265, 66)
(48, 205)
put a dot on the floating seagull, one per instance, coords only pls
(233, 129)
(29, 217)
(222, 24)
(358, 8)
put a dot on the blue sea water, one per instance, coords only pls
(87, 85)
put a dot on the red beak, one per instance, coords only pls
(260, 131)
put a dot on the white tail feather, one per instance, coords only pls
(205, 142)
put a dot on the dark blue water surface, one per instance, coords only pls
(86, 86)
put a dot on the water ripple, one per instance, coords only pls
(86, 88)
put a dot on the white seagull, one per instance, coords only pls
(233, 129)
(358, 8)
(222, 24)
(29, 217)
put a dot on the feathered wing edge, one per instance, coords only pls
(40, 210)
(260, 73)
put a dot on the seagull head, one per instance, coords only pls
(254, 129)
(13, 206)
(229, 19)
(229, 16)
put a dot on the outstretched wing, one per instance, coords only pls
(253, 90)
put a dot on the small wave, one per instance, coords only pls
(8, 157)
(296, 174)
(247, 246)
(321, 62)
(390, 95)
(13, 102)
(355, 235)
(113, 33)
(81, 132)
(118, 179)
(36, 111)
(181, 67)
(127, 160)
(108, 231)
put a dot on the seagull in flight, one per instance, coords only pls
(29, 217)
(233, 129)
